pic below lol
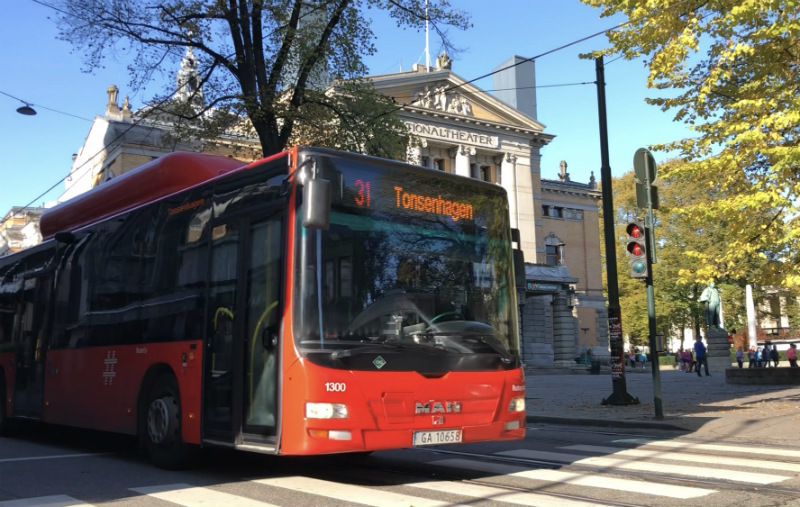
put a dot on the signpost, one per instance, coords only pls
(644, 167)
(646, 171)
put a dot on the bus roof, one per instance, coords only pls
(158, 178)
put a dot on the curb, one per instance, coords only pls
(606, 423)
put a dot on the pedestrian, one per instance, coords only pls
(751, 358)
(643, 360)
(765, 356)
(689, 361)
(776, 357)
(632, 357)
(700, 356)
(791, 355)
(740, 356)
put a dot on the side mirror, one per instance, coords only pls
(317, 204)
(65, 237)
(269, 337)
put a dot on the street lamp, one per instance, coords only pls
(27, 110)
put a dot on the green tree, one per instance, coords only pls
(679, 278)
(729, 70)
(266, 59)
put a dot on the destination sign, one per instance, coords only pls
(399, 197)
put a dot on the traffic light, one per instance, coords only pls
(637, 248)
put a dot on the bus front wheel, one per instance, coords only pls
(162, 425)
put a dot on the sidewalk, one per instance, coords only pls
(705, 406)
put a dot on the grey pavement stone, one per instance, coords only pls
(705, 406)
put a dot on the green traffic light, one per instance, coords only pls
(638, 266)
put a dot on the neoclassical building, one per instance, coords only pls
(122, 139)
(456, 127)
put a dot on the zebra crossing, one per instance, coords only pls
(588, 471)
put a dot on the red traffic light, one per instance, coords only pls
(635, 231)
(637, 248)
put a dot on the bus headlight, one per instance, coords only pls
(517, 405)
(326, 410)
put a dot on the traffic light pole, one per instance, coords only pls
(651, 323)
(620, 395)
(644, 166)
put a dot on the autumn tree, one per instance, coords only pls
(678, 278)
(730, 70)
(267, 59)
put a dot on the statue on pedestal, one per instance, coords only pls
(711, 303)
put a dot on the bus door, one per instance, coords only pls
(31, 347)
(241, 375)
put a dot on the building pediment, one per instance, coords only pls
(443, 93)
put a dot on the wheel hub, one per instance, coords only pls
(158, 420)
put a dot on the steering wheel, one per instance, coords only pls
(447, 316)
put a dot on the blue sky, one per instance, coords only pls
(45, 72)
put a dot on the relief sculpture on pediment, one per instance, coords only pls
(440, 98)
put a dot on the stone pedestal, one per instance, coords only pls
(719, 350)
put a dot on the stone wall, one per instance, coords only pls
(536, 327)
(763, 376)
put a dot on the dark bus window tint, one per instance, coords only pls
(6, 323)
(117, 252)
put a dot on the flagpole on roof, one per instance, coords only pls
(427, 44)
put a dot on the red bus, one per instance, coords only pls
(311, 302)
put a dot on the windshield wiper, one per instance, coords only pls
(486, 340)
(383, 347)
(489, 341)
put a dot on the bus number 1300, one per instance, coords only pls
(335, 387)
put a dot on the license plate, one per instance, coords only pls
(437, 437)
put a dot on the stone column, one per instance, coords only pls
(414, 155)
(718, 350)
(430, 162)
(751, 317)
(565, 339)
(508, 179)
(463, 158)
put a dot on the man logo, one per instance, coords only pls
(438, 407)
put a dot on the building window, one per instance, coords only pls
(553, 211)
(440, 164)
(484, 172)
(553, 250)
(552, 255)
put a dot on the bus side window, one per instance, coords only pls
(70, 299)
(6, 325)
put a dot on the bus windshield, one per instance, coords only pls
(414, 273)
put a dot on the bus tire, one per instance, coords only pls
(162, 425)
